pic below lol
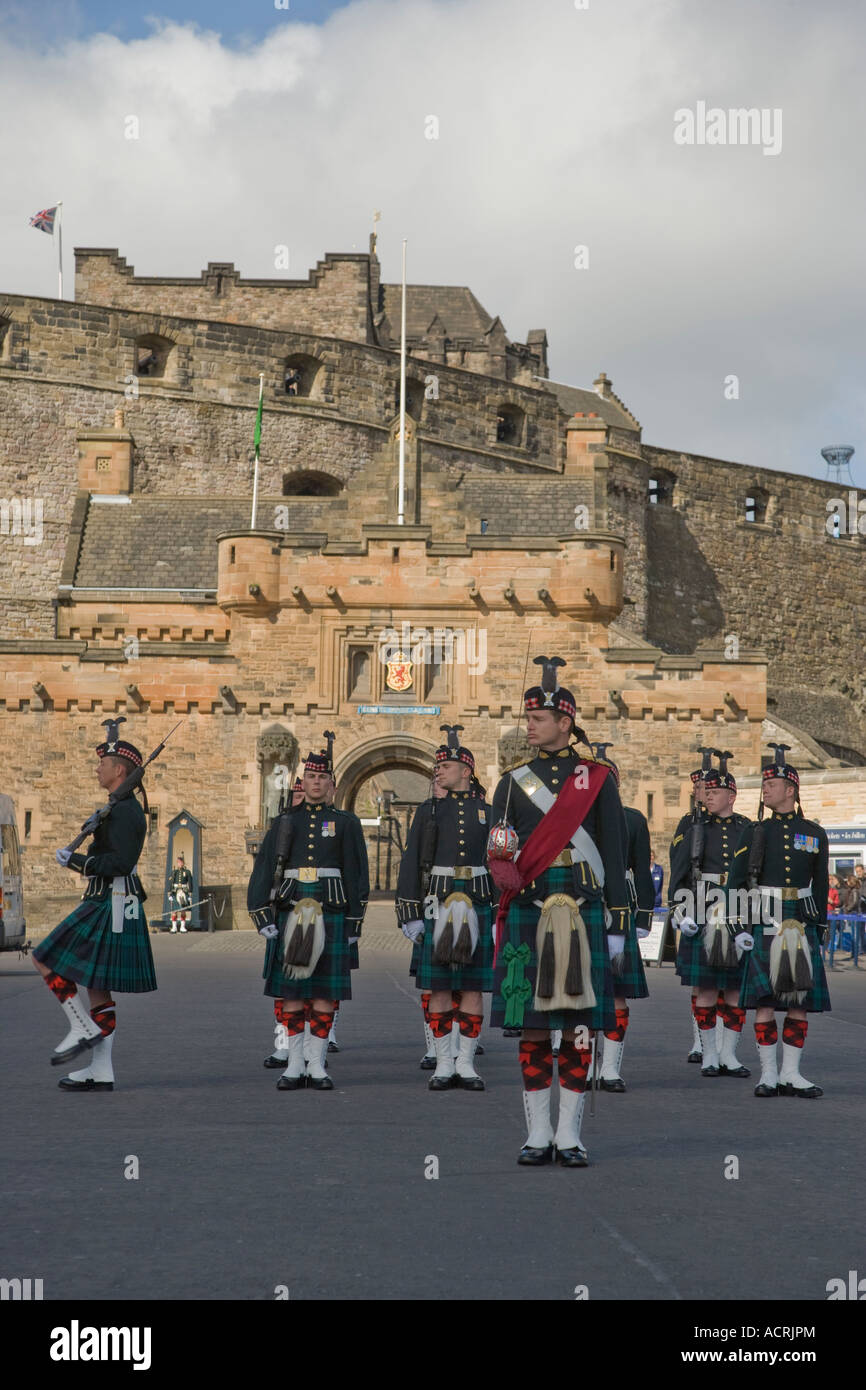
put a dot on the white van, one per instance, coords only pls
(12, 924)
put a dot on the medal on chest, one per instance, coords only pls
(809, 843)
(329, 828)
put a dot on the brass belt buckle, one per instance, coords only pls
(308, 875)
(462, 873)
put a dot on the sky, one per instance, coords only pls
(546, 153)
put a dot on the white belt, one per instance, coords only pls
(320, 873)
(770, 892)
(447, 870)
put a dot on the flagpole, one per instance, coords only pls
(257, 440)
(60, 250)
(401, 505)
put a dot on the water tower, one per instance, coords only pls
(837, 456)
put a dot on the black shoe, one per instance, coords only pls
(333, 1047)
(511, 1032)
(320, 1083)
(710, 1071)
(572, 1158)
(427, 1063)
(479, 1051)
(67, 1084)
(59, 1059)
(734, 1071)
(695, 1057)
(533, 1158)
(762, 1091)
(469, 1083)
(291, 1083)
(805, 1092)
(441, 1083)
(273, 1061)
(618, 1085)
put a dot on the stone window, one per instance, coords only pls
(414, 398)
(307, 482)
(756, 505)
(152, 357)
(660, 488)
(360, 673)
(510, 422)
(5, 325)
(300, 375)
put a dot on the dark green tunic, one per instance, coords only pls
(796, 856)
(321, 838)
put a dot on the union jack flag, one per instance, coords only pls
(44, 220)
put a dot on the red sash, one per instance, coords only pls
(549, 838)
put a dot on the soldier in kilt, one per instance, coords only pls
(443, 907)
(280, 1055)
(181, 893)
(307, 896)
(103, 944)
(706, 960)
(428, 1061)
(678, 852)
(784, 860)
(556, 933)
(629, 975)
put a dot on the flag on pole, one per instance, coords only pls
(44, 220)
(257, 433)
(257, 439)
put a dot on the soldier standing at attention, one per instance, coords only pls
(707, 961)
(629, 976)
(449, 914)
(563, 913)
(181, 894)
(307, 896)
(688, 831)
(784, 860)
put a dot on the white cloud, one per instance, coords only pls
(556, 128)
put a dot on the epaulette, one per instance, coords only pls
(521, 762)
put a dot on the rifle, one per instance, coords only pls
(127, 786)
(427, 848)
(696, 834)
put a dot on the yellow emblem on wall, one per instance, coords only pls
(399, 675)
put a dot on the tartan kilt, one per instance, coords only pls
(757, 992)
(477, 975)
(332, 978)
(693, 970)
(84, 949)
(520, 929)
(631, 983)
(416, 958)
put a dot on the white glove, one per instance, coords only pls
(353, 940)
(688, 926)
(744, 941)
(615, 945)
(413, 931)
(63, 856)
(642, 932)
(269, 932)
(91, 823)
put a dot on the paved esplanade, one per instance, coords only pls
(242, 1188)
